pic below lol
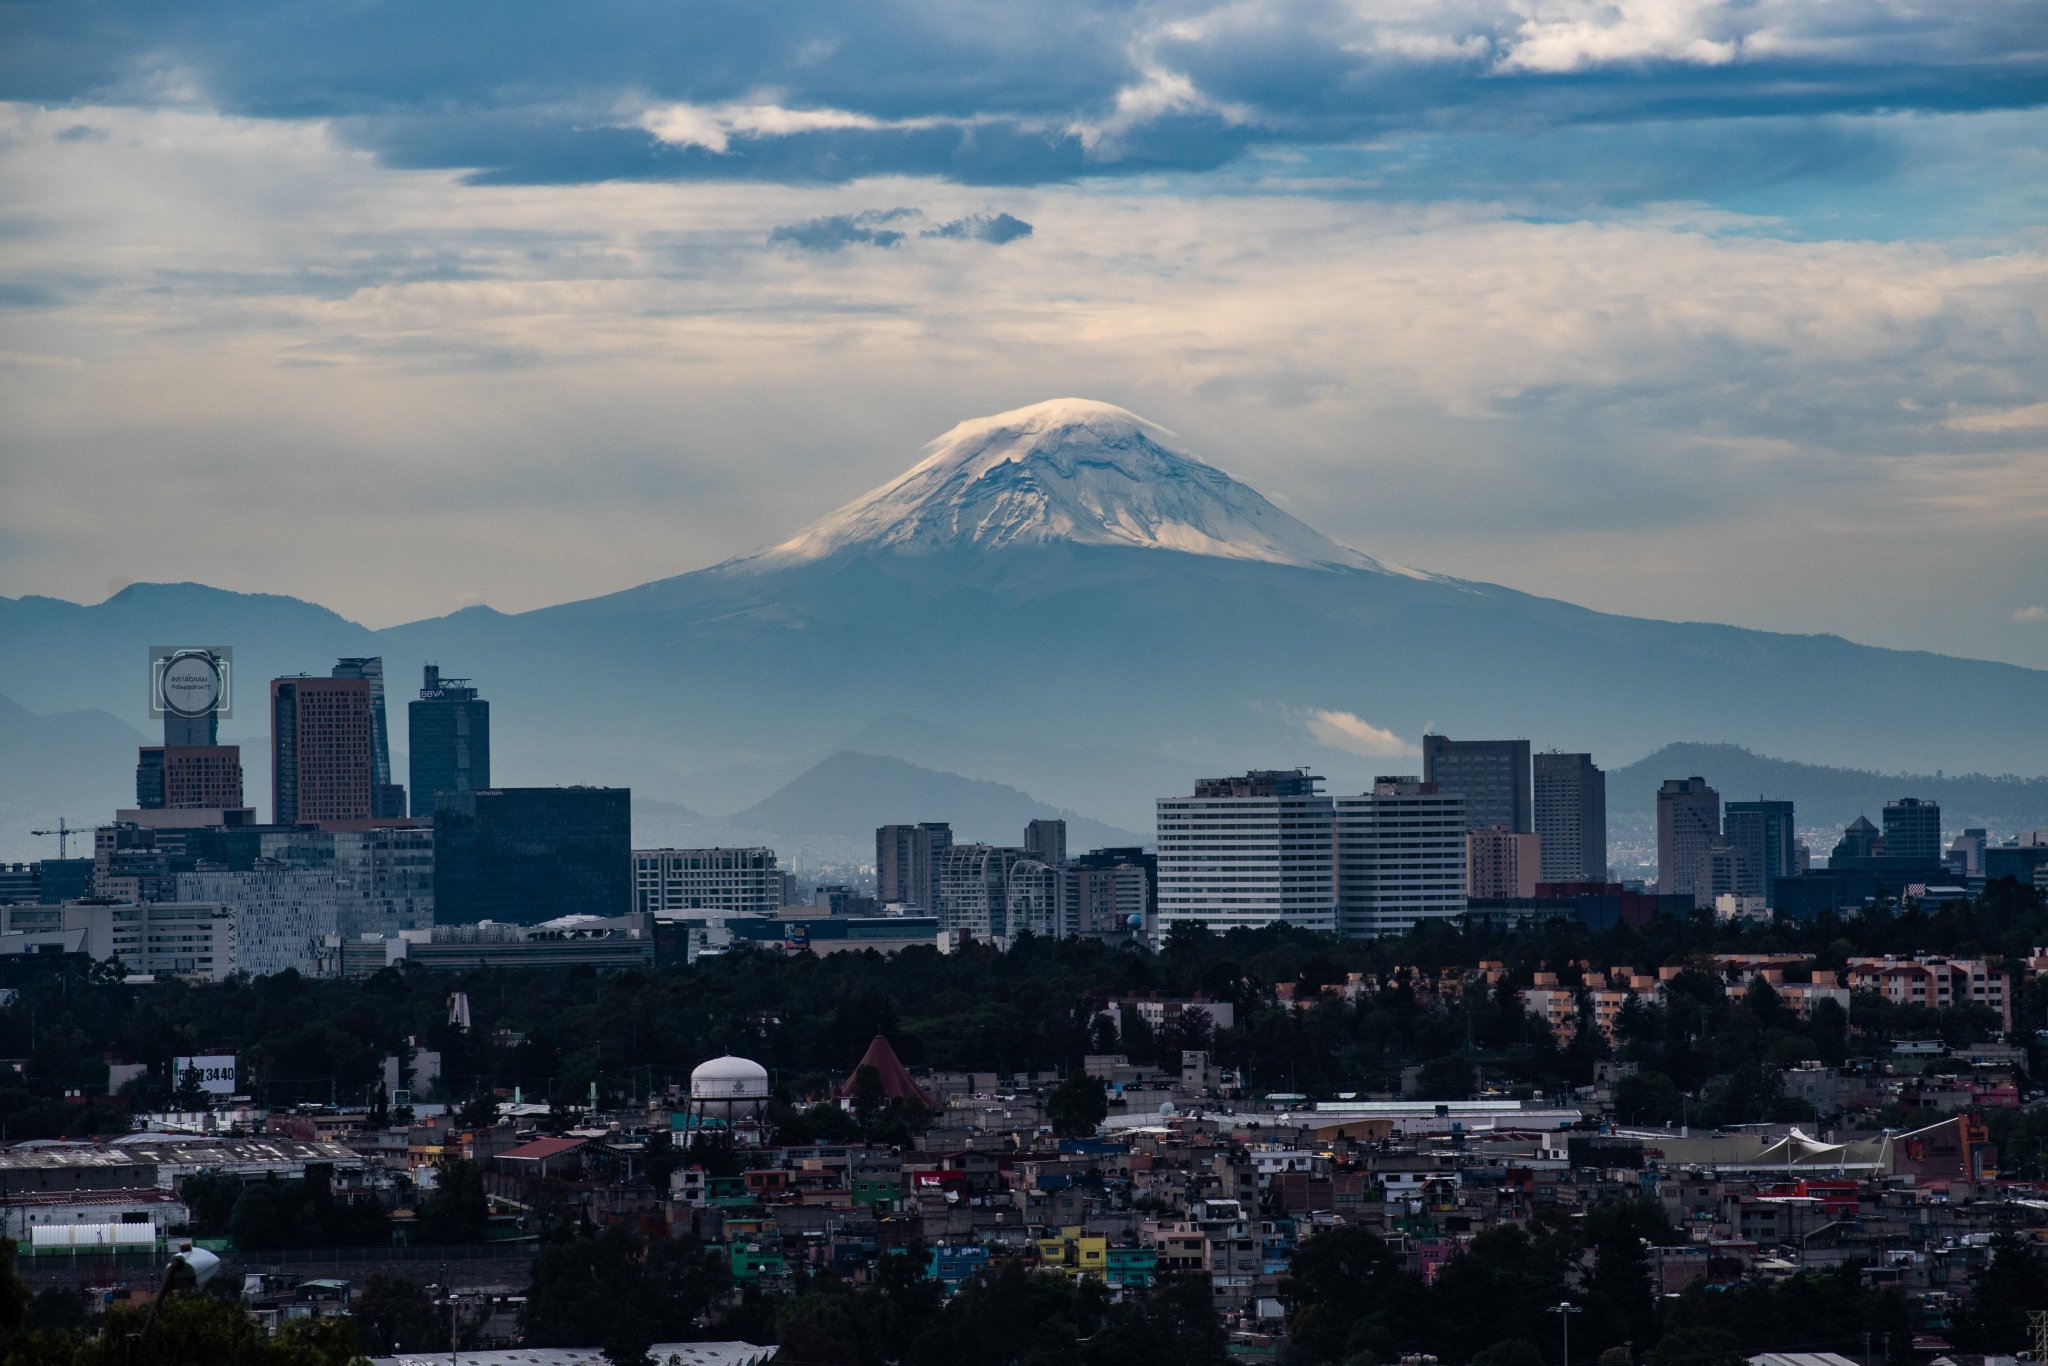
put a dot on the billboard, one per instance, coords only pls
(216, 1073)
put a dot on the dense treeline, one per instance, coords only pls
(555, 1034)
(1351, 1303)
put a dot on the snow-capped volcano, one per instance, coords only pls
(1067, 470)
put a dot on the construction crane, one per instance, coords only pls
(64, 831)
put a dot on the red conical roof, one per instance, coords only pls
(896, 1080)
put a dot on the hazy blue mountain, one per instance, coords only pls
(77, 765)
(1125, 615)
(851, 794)
(1826, 796)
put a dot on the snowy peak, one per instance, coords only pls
(1067, 470)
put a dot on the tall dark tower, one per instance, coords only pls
(1571, 817)
(449, 734)
(1491, 775)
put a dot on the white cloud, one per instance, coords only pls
(1355, 735)
(1571, 35)
(289, 344)
(713, 127)
(2033, 416)
(2031, 614)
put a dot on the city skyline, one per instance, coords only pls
(1581, 300)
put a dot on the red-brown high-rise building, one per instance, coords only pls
(322, 750)
(189, 777)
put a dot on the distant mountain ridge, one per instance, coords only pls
(1826, 796)
(1127, 615)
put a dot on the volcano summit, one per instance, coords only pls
(1059, 599)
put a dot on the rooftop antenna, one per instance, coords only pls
(64, 831)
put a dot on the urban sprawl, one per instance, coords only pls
(1395, 1076)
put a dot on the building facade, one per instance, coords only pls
(448, 737)
(719, 881)
(387, 798)
(188, 777)
(194, 940)
(1570, 816)
(1248, 851)
(1400, 857)
(1046, 841)
(907, 862)
(1688, 828)
(1501, 863)
(529, 854)
(972, 892)
(1491, 775)
(1762, 833)
(1912, 830)
(322, 751)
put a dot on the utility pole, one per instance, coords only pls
(2037, 1323)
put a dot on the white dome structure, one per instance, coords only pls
(729, 1100)
(729, 1079)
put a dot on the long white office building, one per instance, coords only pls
(682, 882)
(1400, 858)
(1246, 852)
(1267, 848)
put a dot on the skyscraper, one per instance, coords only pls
(387, 799)
(528, 854)
(1400, 857)
(1761, 832)
(1571, 817)
(1912, 830)
(1046, 841)
(1491, 775)
(1248, 851)
(907, 862)
(448, 733)
(322, 764)
(1688, 827)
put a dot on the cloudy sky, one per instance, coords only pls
(1731, 311)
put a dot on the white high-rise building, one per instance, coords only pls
(1246, 852)
(685, 883)
(1400, 857)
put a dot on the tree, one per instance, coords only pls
(869, 1096)
(1077, 1106)
(1445, 1078)
(191, 1093)
(1346, 1292)
(457, 1210)
(1509, 1352)
(394, 1314)
(1698, 1346)
(257, 1223)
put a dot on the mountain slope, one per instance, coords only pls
(850, 794)
(1128, 614)
(1826, 797)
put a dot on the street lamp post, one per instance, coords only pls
(1564, 1309)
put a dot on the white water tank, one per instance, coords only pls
(729, 1079)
